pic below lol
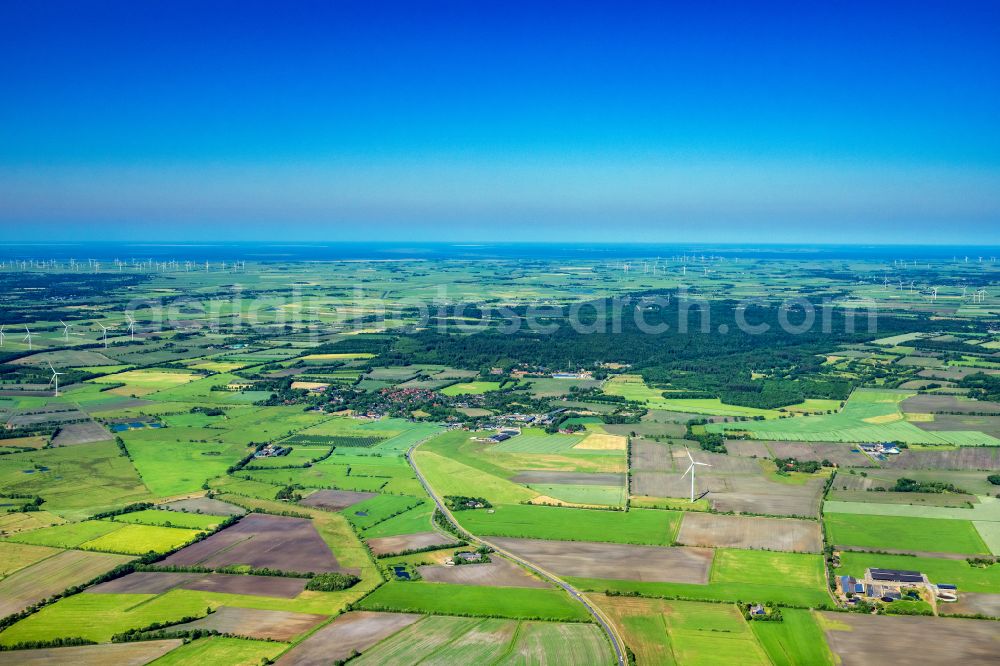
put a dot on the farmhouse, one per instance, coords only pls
(880, 449)
(273, 451)
(891, 584)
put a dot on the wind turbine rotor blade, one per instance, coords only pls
(689, 470)
(688, 452)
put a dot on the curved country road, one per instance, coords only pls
(616, 641)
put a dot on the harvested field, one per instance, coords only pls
(843, 455)
(750, 532)
(404, 542)
(354, 631)
(262, 540)
(651, 456)
(205, 505)
(966, 458)
(603, 442)
(335, 500)
(748, 448)
(576, 478)
(119, 654)
(158, 582)
(933, 403)
(972, 603)
(989, 425)
(143, 582)
(259, 624)
(862, 640)
(81, 433)
(754, 495)
(498, 573)
(37, 417)
(54, 574)
(739, 493)
(586, 559)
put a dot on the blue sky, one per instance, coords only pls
(707, 121)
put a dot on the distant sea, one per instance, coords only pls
(333, 251)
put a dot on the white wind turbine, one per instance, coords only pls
(65, 330)
(104, 331)
(690, 470)
(28, 336)
(55, 378)
(131, 327)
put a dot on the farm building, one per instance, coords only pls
(890, 584)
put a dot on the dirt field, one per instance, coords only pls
(867, 640)
(576, 478)
(157, 582)
(839, 454)
(404, 542)
(742, 493)
(749, 494)
(498, 573)
(928, 403)
(357, 630)
(119, 654)
(262, 540)
(615, 561)
(965, 458)
(788, 534)
(747, 448)
(989, 425)
(81, 433)
(143, 582)
(335, 500)
(205, 505)
(259, 624)
(51, 575)
(971, 603)
(650, 456)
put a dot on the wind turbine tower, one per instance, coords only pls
(28, 336)
(131, 327)
(690, 470)
(55, 378)
(65, 330)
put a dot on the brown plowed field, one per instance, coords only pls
(254, 623)
(587, 559)
(750, 532)
(354, 631)
(262, 540)
(498, 573)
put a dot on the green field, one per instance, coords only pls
(956, 572)
(170, 519)
(449, 640)
(912, 534)
(870, 415)
(98, 616)
(14, 556)
(582, 494)
(792, 579)
(76, 481)
(221, 650)
(796, 640)
(444, 599)
(69, 535)
(632, 387)
(140, 539)
(470, 388)
(639, 526)
(372, 511)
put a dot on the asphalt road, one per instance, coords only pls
(616, 642)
